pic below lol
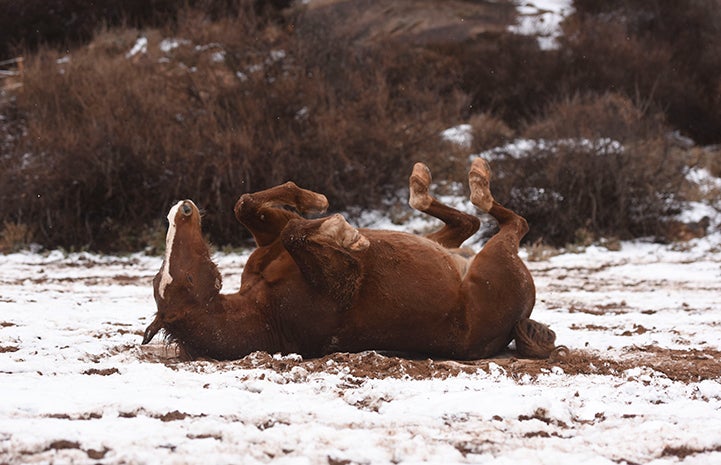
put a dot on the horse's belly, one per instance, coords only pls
(409, 299)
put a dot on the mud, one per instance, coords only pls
(691, 365)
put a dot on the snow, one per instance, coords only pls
(460, 135)
(169, 44)
(79, 386)
(706, 182)
(524, 148)
(542, 18)
(140, 47)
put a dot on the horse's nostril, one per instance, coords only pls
(187, 210)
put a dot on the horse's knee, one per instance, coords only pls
(469, 224)
(291, 187)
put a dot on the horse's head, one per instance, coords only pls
(188, 279)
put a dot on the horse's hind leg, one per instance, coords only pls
(262, 212)
(513, 227)
(500, 282)
(458, 226)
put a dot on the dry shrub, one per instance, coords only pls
(539, 251)
(97, 148)
(62, 24)
(506, 75)
(111, 142)
(710, 158)
(488, 131)
(15, 237)
(596, 167)
(662, 51)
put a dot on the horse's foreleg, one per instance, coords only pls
(324, 250)
(458, 226)
(262, 212)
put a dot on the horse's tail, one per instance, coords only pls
(534, 339)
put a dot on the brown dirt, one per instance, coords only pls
(678, 365)
(172, 416)
(83, 416)
(101, 372)
(63, 444)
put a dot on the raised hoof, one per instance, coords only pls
(534, 339)
(339, 231)
(308, 202)
(479, 180)
(419, 184)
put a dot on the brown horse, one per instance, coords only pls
(315, 286)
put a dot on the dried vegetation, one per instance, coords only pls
(98, 142)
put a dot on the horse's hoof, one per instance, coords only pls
(479, 180)
(339, 231)
(419, 184)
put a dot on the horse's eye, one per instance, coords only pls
(187, 211)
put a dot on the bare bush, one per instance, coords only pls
(14, 237)
(99, 142)
(661, 52)
(112, 139)
(488, 131)
(594, 166)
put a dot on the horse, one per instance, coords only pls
(315, 286)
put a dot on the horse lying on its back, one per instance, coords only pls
(315, 286)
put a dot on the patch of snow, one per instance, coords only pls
(218, 57)
(542, 18)
(254, 68)
(459, 135)
(697, 211)
(706, 182)
(523, 148)
(277, 55)
(302, 114)
(536, 195)
(140, 47)
(203, 48)
(169, 44)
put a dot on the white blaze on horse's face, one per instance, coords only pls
(165, 277)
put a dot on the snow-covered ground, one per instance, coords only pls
(640, 383)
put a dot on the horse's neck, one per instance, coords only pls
(231, 326)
